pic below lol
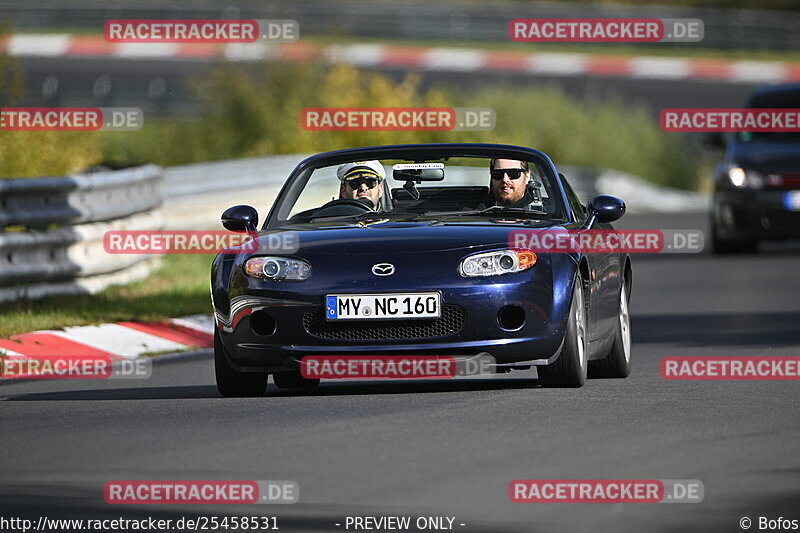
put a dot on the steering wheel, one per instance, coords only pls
(343, 207)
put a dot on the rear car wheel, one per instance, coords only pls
(569, 369)
(617, 364)
(293, 380)
(232, 383)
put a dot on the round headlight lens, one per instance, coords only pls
(271, 268)
(506, 262)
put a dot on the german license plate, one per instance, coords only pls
(383, 306)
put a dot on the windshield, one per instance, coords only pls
(789, 99)
(457, 186)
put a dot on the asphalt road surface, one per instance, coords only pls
(451, 448)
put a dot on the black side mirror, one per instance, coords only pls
(240, 218)
(604, 208)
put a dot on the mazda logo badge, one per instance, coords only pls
(383, 269)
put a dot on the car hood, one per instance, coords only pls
(404, 236)
(766, 157)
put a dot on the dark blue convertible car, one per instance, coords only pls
(408, 250)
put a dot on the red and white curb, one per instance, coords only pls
(122, 340)
(422, 58)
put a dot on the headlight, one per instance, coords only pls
(496, 263)
(741, 178)
(277, 268)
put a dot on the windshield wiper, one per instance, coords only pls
(491, 210)
(383, 214)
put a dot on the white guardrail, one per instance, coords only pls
(51, 231)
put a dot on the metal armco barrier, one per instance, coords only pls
(52, 230)
(41, 202)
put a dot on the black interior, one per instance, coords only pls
(440, 198)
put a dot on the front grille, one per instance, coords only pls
(450, 323)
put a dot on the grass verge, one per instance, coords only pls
(179, 287)
(599, 132)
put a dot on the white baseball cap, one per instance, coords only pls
(357, 167)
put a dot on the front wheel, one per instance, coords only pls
(232, 383)
(617, 364)
(569, 369)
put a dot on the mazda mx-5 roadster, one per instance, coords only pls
(415, 250)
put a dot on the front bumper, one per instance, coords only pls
(479, 330)
(755, 215)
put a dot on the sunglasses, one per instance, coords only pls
(355, 183)
(513, 173)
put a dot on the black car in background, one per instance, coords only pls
(757, 184)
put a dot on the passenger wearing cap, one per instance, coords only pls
(362, 180)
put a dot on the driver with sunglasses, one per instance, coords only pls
(509, 184)
(362, 180)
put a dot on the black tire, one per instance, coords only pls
(293, 380)
(232, 383)
(617, 364)
(570, 368)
